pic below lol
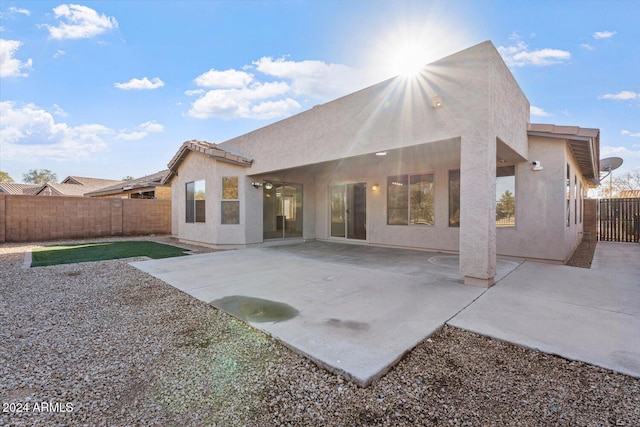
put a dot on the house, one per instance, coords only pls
(15, 188)
(445, 160)
(146, 187)
(74, 186)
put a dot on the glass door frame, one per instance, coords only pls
(287, 211)
(353, 224)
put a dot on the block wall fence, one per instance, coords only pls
(35, 218)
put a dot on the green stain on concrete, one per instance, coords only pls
(256, 310)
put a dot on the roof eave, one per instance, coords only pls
(212, 151)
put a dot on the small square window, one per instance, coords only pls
(230, 212)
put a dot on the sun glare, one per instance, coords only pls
(408, 42)
(408, 60)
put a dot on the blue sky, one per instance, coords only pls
(112, 88)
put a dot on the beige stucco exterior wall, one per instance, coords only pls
(539, 230)
(481, 103)
(437, 158)
(196, 167)
(483, 118)
(163, 193)
(573, 233)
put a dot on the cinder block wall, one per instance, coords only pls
(146, 216)
(590, 216)
(33, 218)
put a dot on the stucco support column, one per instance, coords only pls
(477, 209)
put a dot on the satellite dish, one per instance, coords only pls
(610, 164)
(607, 166)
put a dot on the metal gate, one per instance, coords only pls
(619, 220)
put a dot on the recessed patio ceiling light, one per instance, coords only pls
(381, 153)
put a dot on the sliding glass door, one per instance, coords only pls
(282, 210)
(349, 211)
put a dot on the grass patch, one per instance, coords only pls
(69, 254)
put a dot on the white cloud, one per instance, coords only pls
(132, 136)
(519, 55)
(316, 79)
(275, 109)
(537, 111)
(13, 9)
(603, 34)
(141, 131)
(58, 111)
(587, 46)
(79, 22)
(621, 96)
(194, 92)
(631, 134)
(620, 151)
(140, 84)
(9, 65)
(28, 131)
(151, 127)
(223, 79)
(59, 53)
(233, 103)
(243, 94)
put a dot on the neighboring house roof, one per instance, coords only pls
(584, 143)
(92, 183)
(15, 188)
(629, 194)
(74, 186)
(56, 189)
(153, 180)
(208, 149)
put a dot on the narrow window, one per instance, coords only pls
(581, 200)
(421, 199)
(397, 200)
(568, 197)
(506, 196)
(454, 198)
(195, 201)
(230, 204)
(575, 199)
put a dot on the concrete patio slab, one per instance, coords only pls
(359, 308)
(591, 315)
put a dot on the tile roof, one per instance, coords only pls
(57, 189)
(153, 180)
(93, 183)
(584, 144)
(629, 194)
(208, 149)
(15, 188)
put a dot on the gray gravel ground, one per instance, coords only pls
(119, 348)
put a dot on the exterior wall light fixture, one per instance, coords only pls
(436, 101)
(256, 184)
(375, 187)
(268, 185)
